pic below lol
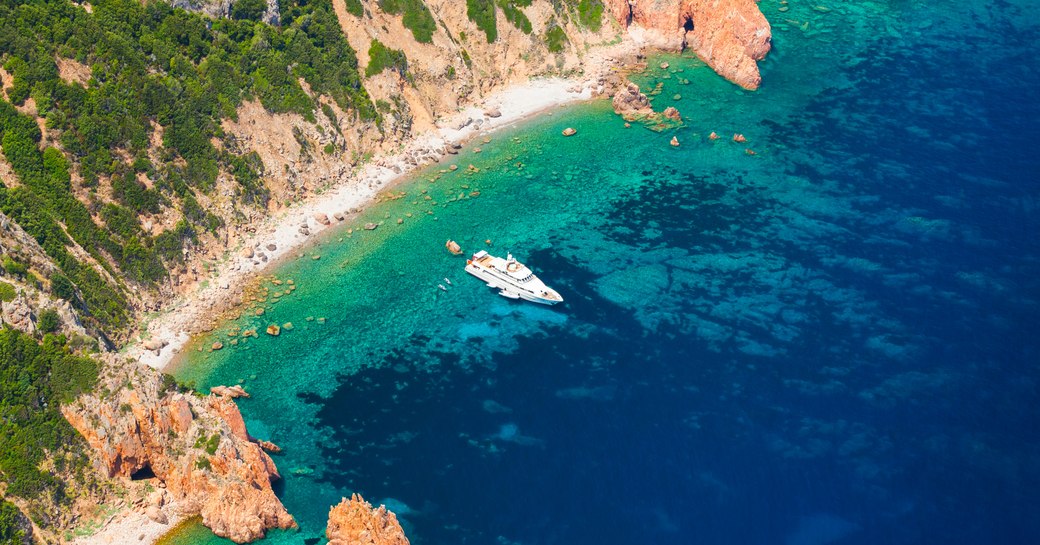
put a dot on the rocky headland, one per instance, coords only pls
(730, 35)
(356, 522)
(195, 448)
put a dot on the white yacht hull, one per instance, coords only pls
(508, 289)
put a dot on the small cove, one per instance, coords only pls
(799, 346)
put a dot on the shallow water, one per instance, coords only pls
(829, 341)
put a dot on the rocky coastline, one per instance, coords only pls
(197, 447)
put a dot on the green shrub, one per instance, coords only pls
(482, 12)
(511, 9)
(7, 293)
(382, 58)
(12, 522)
(355, 8)
(417, 17)
(14, 268)
(62, 287)
(49, 321)
(248, 10)
(555, 38)
(590, 14)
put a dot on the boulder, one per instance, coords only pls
(273, 330)
(271, 246)
(322, 219)
(229, 391)
(493, 112)
(630, 103)
(672, 113)
(570, 131)
(674, 142)
(247, 252)
(371, 226)
(153, 512)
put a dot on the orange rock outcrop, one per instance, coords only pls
(730, 35)
(356, 522)
(197, 447)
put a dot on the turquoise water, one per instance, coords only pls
(829, 341)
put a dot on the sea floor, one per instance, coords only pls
(829, 340)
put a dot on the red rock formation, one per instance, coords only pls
(355, 522)
(730, 35)
(198, 447)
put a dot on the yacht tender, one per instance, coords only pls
(512, 278)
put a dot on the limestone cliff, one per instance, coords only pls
(730, 35)
(197, 448)
(356, 522)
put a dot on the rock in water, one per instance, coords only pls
(570, 131)
(674, 142)
(729, 35)
(630, 103)
(229, 391)
(453, 247)
(739, 138)
(673, 114)
(355, 522)
(274, 330)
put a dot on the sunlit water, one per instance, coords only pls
(830, 341)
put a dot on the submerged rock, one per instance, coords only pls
(274, 330)
(229, 391)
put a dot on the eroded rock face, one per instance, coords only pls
(356, 522)
(197, 446)
(730, 35)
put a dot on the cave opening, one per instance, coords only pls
(143, 474)
(688, 24)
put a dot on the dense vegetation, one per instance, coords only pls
(11, 532)
(417, 17)
(555, 38)
(590, 13)
(150, 66)
(482, 12)
(34, 379)
(511, 9)
(382, 57)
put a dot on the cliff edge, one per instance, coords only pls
(730, 35)
(196, 447)
(356, 522)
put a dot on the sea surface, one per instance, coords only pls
(833, 340)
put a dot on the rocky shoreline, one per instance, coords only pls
(281, 237)
(230, 486)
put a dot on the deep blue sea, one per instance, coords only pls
(831, 341)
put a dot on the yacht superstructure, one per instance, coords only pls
(512, 278)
